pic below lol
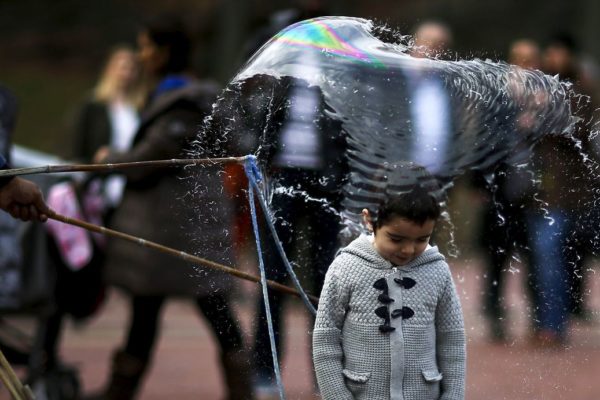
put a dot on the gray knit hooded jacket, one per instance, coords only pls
(389, 332)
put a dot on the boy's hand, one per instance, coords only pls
(24, 200)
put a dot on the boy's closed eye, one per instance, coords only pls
(399, 239)
(396, 240)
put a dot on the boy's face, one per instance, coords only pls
(400, 240)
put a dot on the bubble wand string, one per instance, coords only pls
(177, 253)
(254, 177)
(263, 277)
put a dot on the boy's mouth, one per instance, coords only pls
(403, 259)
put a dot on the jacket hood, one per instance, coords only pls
(363, 247)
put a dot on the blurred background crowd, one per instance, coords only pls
(92, 85)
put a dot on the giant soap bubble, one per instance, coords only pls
(370, 95)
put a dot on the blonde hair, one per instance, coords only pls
(108, 88)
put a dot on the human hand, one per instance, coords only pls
(23, 200)
(101, 155)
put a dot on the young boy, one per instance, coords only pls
(389, 323)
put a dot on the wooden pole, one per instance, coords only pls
(175, 162)
(177, 253)
(153, 163)
(16, 389)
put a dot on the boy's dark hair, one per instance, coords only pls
(417, 205)
(168, 31)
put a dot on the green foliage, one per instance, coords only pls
(48, 100)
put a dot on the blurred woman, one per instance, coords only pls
(110, 116)
(152, 208)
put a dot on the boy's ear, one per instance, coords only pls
(367, 219)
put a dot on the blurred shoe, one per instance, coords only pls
(125, 379)
(497, 330)
(586, 315)
(265, 386)
(237, 375)
(266, 391)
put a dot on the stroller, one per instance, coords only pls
(50, 271)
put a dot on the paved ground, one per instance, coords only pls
(185, 364)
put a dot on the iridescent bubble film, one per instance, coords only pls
(387, 108)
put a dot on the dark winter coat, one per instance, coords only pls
(157, 204)
(565, 182)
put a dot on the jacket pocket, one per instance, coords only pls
(358, 377)
(356, 382)
(432, 374)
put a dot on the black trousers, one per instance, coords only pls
(504, 233)
(144, 327)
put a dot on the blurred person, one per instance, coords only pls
(430, 109)
(236, 182)
(24, 272)
(176, 106)
(107, 117)
(30, 275)
(525, 53)
(564, 190)
(432, 39)
(21, 198)
(432, 123)
(306, 156)
(284, 122)
(509, 197)
(110, 116)
(304, 152)
(562, 58)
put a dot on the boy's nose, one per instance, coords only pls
(408, 249)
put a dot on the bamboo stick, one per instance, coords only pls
(12, 382)
(49, 169)
(12, 390)
(177, 253)
(153, 163)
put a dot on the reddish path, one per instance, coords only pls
(185, 364)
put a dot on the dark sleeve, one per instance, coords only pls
(81, 123)
(91, 130)
(4, 165)
(8, 117)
